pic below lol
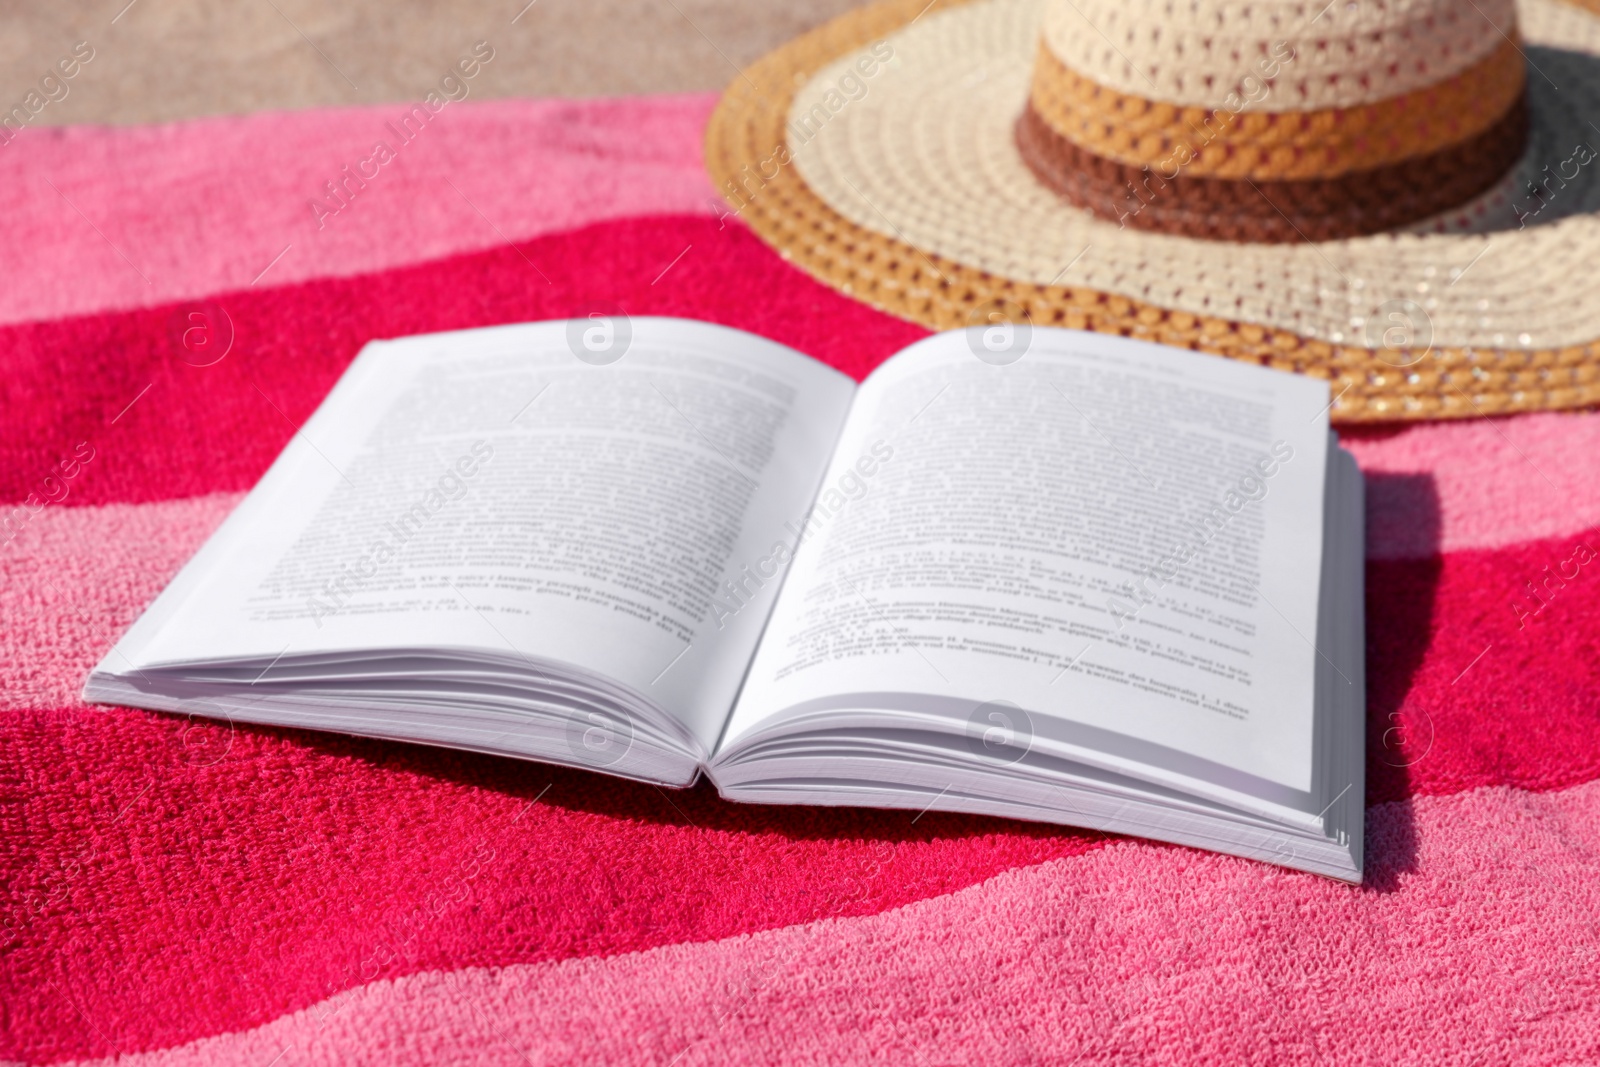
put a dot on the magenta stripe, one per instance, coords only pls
(168, 420)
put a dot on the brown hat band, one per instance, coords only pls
(1322, 209)
(1239, 138)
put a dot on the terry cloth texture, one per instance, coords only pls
(189, 892)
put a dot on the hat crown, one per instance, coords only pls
(1344, 54)
(1274, 121)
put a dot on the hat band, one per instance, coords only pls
(1240, 139)
(1353, 204)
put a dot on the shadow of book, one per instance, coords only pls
(1403, 517)
(698, 807)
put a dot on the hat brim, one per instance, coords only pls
(913, 198)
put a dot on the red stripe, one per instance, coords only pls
(216, 428)
(1472, 682)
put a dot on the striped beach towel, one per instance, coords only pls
(177, 891)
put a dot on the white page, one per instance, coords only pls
(991, 557)
(487, 489)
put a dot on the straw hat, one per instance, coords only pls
(1402, 196)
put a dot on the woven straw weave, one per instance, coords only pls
(1272, 211)
(750, 159)
(1193, 51)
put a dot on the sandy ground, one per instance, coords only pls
(157, 60)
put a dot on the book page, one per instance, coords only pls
(491, 489)
(1104, 531)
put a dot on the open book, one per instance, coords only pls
(1109, 584)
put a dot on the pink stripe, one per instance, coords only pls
(73, 579)
(149, 214)
(1472, 943)
(1480, 483)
